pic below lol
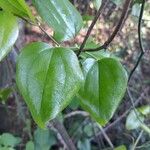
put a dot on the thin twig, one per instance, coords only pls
(92, 25)
(117, 28)
(140, 41)
(50, 37)
(106, 137)
(63, 133)
(39, 25)
(133, 105)
(137, 140)
(95, 135)
(74, 113)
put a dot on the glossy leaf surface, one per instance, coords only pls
(104, 88)
(17, 7)
(62, 16)
(48, 78)
(8, 33)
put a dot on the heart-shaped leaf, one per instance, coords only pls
(48, 78)
(8, 32)
(17, 7)
(62, 16)
(104, 87)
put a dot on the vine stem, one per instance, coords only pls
(117, 28)
(137, 140)
(106, 137)
(140, 41)
(92, 25)
(38, 24)
(50, 37)
(63, 133)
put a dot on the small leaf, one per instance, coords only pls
(138, 1)
(144, 110)
(8, 33)
(44, 139)
(48, 78)
(98, 55)
(62, 16)
(104, 88)
(6, 148)
(84, 144)
(17, 7)
(91, 44)
(4, 94)
(30, 145)
(97, 3)
(90, 128)
(8, 139)
(117, 2)
(87, 18)
(122, 147)
(136, 10)
(136, 117)
(133, 121)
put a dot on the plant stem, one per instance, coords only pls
(63, 133)
(140, 41)
(50, 37)
(137, 140)
(145, 128)
(91, 26)
(117, 28)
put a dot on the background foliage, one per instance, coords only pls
(128, 129)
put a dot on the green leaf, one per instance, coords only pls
(8, 139)
(136, 117)
(90, 44)
(74, 103)
(144, 110)
(98, 55)
(4, 94)
(30, 145)
(136, 10)
(6, 148)
(118, 2)
(133, 121)
(8, 33)
(104, 88)
(17, 7)
(44, 139)
(48, 78)
(97, 3)
(87, 18)
(84, 144)
(138, 1)
(122, 147)
(90, 128)
(62, 16)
